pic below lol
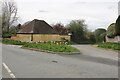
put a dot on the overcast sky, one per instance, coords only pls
(96, 13)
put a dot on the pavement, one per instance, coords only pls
(91, 63)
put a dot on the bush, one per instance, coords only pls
(6, 35)
(14, 42)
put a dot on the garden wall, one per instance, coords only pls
(40, 37)
(22, 37)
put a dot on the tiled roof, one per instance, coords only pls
(37, 27)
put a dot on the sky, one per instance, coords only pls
(119, 8)
(96, 13)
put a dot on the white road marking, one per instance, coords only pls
(12, 75)
(6, 67)
(8, 70)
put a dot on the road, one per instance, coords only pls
(91, 63)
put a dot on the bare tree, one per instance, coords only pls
(9, 13)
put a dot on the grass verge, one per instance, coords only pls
(42, 46)
(51, 47)
(108, 45)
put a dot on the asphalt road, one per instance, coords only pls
(91, 63)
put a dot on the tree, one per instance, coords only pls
(103, 37)
(60, 29)
(78, 30)
(111, 31)
(117, 26)
(9, 13)
(91, 37)
(100, 35)
(14, 29)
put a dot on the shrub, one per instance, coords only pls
(6, 35)
(14, 42)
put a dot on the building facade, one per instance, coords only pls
(39, 31)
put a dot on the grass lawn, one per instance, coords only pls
(108, 45)
(43, 46)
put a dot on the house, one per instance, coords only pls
(38, 31)
(115, 39)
